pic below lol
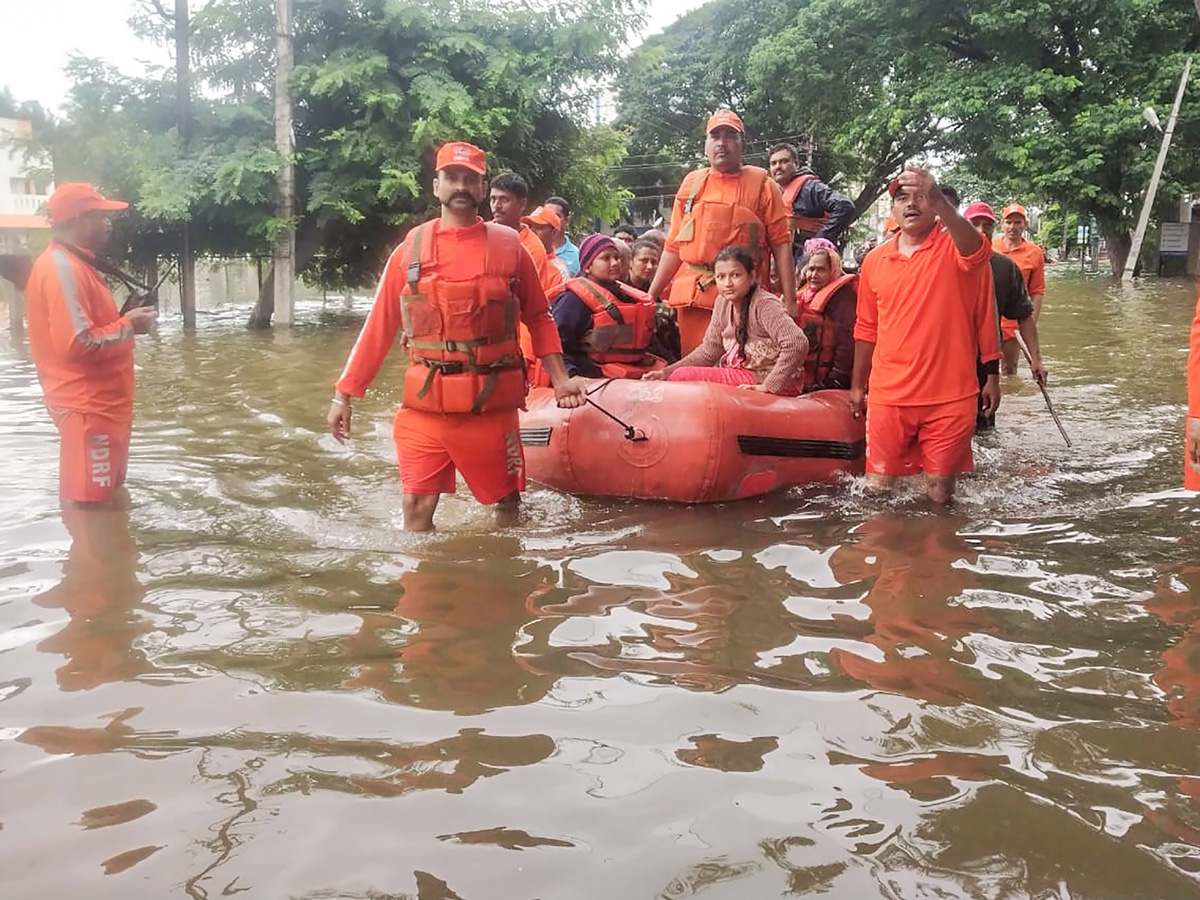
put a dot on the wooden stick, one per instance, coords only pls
(1042, 388)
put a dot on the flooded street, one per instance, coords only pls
(253, 682)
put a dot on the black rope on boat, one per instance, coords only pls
(631, 433)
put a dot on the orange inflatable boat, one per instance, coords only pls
(690, 442)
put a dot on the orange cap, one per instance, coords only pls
(543, 216)
(1014, 209)
(891, 224)
(75, 198)
(726, 118)
(459, 153)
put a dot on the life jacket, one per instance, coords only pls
(801, 225)
(708, 227)
(621, 334)
(462, 335)
(621, 331)
(820, 331)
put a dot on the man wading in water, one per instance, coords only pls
(925, 312)
(457, 286)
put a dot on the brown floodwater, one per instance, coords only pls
(253, 683)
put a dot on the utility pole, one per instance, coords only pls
(1148, 205)
(183, 98)
(285, 207)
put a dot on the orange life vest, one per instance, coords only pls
(820, 331)
(708, 227)
(462, 335)
(801, 224)
(621, 330)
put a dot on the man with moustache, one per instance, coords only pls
(926, 313)
(816, 209)
(457, 287)
(723, 204)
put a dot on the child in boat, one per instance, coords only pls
(751, 341)
(606, 326)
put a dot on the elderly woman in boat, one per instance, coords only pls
(751, 341)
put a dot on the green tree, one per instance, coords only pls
(378, 85)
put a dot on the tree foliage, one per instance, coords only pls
(378, 84)
(1044, 97)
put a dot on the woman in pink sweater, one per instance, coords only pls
(751, 341)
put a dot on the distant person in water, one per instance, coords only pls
(1012, 303)
(82, 347)
(1032, 262)
(751, 341)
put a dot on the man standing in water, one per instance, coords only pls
(1032, 262)
(723, 204)
(457, 286)
(925, 314)
(83, 347)
(1012, 303)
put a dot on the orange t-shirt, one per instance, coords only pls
(550, 277)
(1029, 259)
(82, 346)
(721, 188)
(929, 315)
(459, 255)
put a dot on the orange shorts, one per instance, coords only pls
(905, 440)
(486, 448)
(1008, 329)
(93, 455)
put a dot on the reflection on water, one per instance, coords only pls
(252, 682)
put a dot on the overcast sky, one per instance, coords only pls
(38, 36)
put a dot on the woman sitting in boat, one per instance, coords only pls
(606, 327)
(828, 303)
(751, 341)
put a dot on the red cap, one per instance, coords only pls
(725, 118)
(543, 216)
(459, 153)
(75, 198)
(979, 210)
(1014, 209)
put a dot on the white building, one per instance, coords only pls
(23, 224)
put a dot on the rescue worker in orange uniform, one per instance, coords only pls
(828, 304)
(1191, 467)
(1032, 262)
(816, 209)
(457, 287)
(1012, 303)
(82, 347)
(926, 311)
(508, 200)
(724, 204)
(546, 225)
(606, 327)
